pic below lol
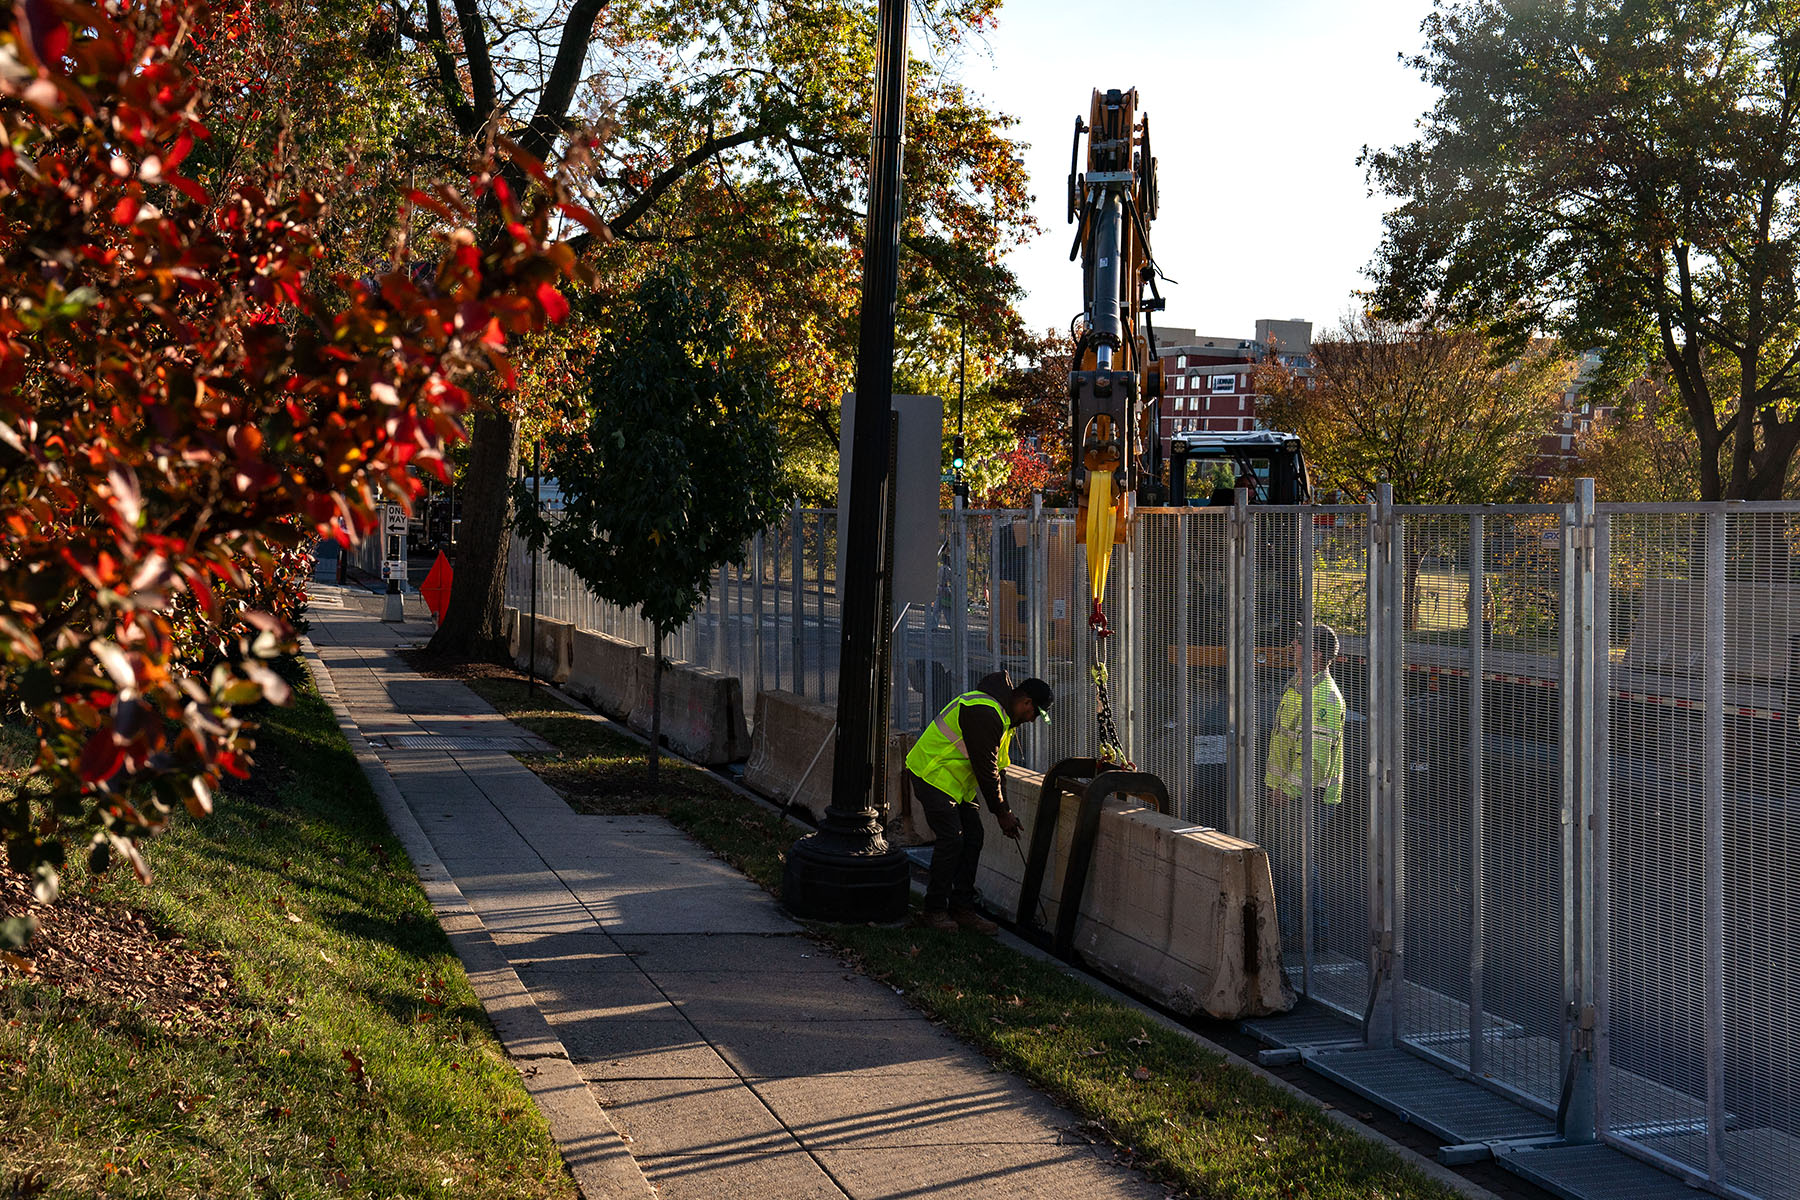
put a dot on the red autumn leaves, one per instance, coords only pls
(184, 406)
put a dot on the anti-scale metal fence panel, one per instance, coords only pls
(1561, 859)
(1698, 1053)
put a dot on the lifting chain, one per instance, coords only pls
(1111, 749)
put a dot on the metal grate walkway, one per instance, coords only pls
(1466, 1115)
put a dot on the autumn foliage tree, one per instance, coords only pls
(183, 405)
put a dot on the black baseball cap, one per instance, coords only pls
(1039, 693)
(1325, 638)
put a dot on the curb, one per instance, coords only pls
(586, 1138)
(1435, 1171)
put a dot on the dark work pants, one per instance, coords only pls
(956, 850)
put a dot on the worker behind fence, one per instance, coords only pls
(959, 760)
(1287, 764)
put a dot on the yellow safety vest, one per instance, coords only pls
(1287, 754)
(941, 758)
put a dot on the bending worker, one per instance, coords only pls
(963, 756)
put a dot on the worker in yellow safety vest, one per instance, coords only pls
(1286, 775)
(1287, 745)
(961, 759)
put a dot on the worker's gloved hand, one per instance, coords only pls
(1009, 825)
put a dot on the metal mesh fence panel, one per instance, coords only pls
(1654, 1079)
(1337, 972)
(1515, 886)
(1475, 699)
(1438, 840)
(1701, 1054)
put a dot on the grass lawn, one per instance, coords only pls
(277, 1015)
(1186, 1114)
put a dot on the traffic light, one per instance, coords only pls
(956, 453)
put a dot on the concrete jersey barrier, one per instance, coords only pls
(791, 734)
(702, 711)
(1181, 914)
(555, 648)
(604, 672)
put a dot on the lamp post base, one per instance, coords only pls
(824, 881)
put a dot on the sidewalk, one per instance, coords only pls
(735, 1056)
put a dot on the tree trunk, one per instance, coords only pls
(656, 708)
(471, 627)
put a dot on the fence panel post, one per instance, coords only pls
(1037, 624)
(959, 599)
(1715, 845)
(1126, 706)
(1396, 762)
(1184, 716)
(756, 635)
(1308, 803)
(1384, 714)
(1601, 863)
(1578, 1104)
(1240, 742)
(797, 599)
(1477, 797)
(821, 606)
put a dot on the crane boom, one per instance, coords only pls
(1116, 372)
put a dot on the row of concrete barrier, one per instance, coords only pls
(1183, 915)
(702, 711)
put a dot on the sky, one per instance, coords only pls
(1258, 111)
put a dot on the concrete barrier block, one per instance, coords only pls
(702, 712)
(555, 643)
(509, 629)
(603, 671)
(789, 732)
(1180, 914)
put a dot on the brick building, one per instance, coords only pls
(1557, 449)
(1210, 382)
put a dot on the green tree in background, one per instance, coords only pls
(673, 463)
(735, 145)
(1429, 411)
(1625, 174)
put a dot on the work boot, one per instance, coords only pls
(938, 919)
(971, 920)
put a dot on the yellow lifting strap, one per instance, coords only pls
(1102, 523)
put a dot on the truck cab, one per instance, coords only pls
(1204, 468)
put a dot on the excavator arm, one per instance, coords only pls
(1117, 377)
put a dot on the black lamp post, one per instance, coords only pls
(847, 871)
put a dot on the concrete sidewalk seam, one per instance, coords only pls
(587, 1140)
(1434, 1170)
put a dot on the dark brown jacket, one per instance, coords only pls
(982, 729)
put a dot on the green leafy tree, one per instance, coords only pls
(673, 463)
(1626, 174)
(737, 137)
(1430, 411)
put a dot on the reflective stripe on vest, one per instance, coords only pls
(941, 755)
